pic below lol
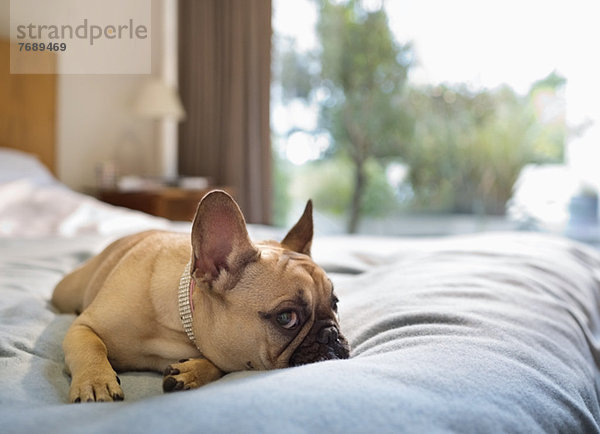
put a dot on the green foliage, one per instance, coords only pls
(294, 74)
(281, 197)
(329, 183)
(380, 198)
(363, 72)
(468, 148)
(551, 81)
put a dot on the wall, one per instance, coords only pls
(95, 119)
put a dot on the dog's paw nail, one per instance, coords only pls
(171, 371)
(184, 360)
(77, 400)
(118, 380)
(90, 400)
(169, 384)
(117, 397)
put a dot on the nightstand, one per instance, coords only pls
(172, 203)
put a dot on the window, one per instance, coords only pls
(425, 117)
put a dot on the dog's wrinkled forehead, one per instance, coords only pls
(290, 266)
(285, 258)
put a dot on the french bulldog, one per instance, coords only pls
(152, 301)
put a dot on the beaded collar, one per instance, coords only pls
(186, 304)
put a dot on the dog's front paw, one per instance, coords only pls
(96, 389)
(189, 374)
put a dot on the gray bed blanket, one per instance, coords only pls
(488, 333)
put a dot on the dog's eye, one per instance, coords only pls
(334, 302)
(288, 319)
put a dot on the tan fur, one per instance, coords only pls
(128, 299)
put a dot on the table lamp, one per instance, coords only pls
(161, 102)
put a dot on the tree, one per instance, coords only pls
(360, 78)
(469, 147)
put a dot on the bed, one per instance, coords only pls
(496, 332)
(480, 333)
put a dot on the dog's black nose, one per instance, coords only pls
(328, 335)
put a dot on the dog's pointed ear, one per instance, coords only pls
(220, 240)
(299, 238)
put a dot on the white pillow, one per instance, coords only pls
(16, 165)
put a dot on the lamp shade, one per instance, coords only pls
(156, 100)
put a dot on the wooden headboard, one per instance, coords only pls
(28, 109)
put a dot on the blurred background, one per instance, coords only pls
(430, 117)
(397, 117)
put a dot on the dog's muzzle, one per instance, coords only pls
(324, 342)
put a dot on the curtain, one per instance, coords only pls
(224, 81)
